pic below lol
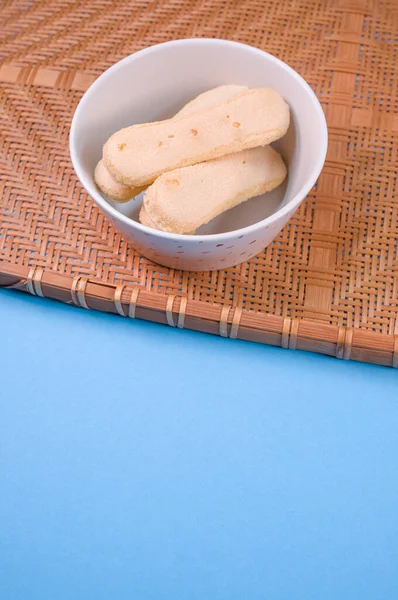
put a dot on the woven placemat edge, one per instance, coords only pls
(176, 310)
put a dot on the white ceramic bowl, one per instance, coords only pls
(154, 84)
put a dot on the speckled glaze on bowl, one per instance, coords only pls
(154, 84)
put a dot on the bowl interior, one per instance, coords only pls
(154, 84)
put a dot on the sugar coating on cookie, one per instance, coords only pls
(138, 155)
(122, 193)
(211, 98)
(183, 200)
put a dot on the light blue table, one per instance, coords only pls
(141, 462)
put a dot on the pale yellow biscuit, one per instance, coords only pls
(145, 219)
(112, 188)
(211, 98)
(122, 193)
(138, 155)
(183, 200)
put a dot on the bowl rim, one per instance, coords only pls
(276, 217)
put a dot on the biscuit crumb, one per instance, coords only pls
(194, 132)
(236, 124)
(174, 181)
(160, 144)
(227, 117)
(244, 162)
(121, 146)
(171, 136)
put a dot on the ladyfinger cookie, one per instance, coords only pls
(211, 98)
(137, 155)
(184, 199)
(112, 188)
(122, 193)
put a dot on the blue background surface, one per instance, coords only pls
(138, 461)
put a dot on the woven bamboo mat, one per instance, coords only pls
(329, 283)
